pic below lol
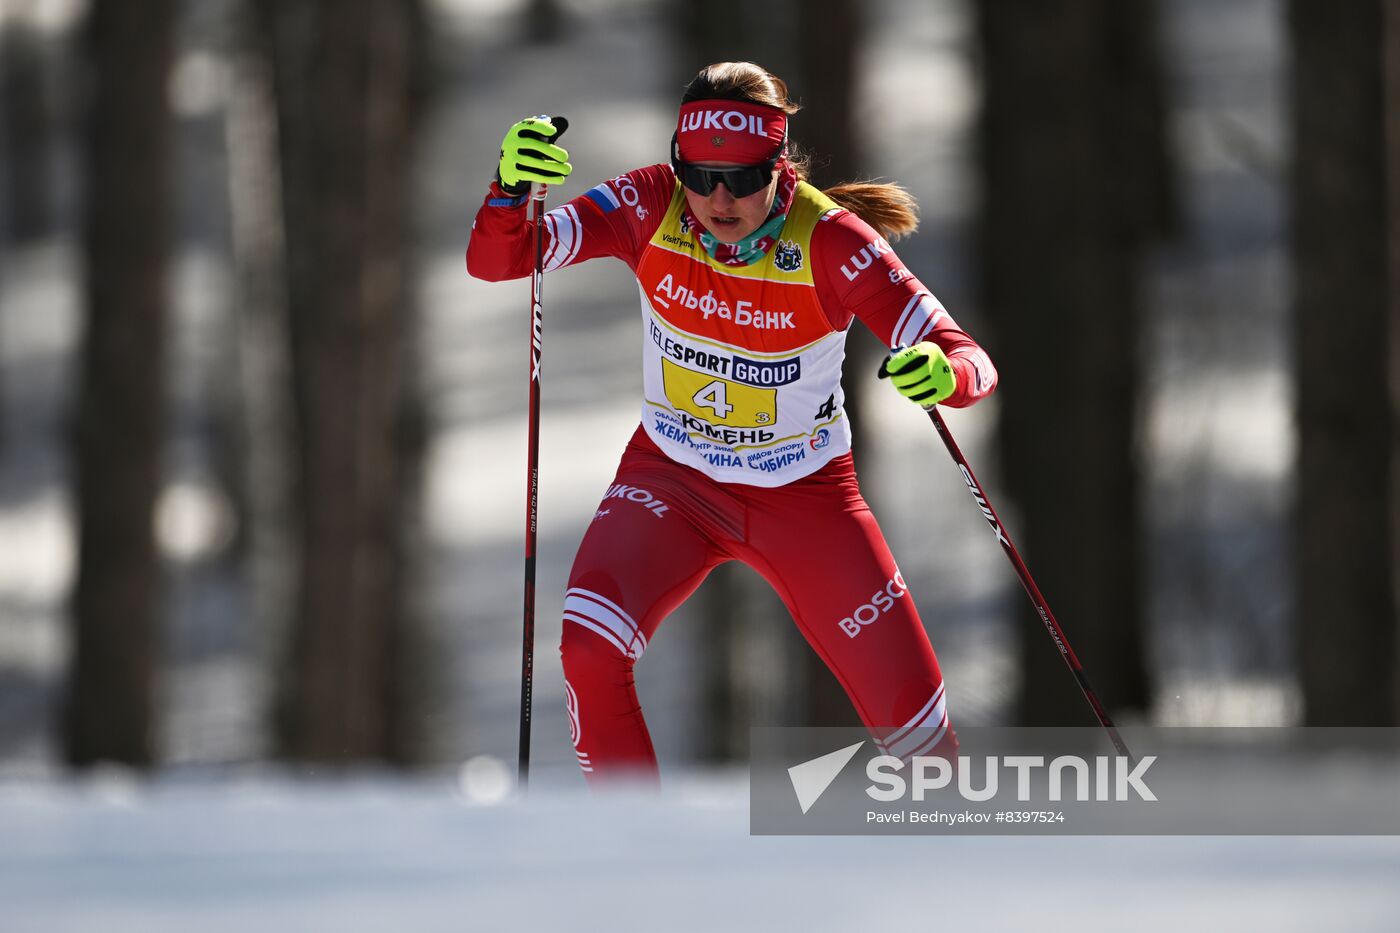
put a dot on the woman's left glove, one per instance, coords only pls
(921, 373)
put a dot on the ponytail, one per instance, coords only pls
(888, 208)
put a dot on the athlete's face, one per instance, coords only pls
(729, 218)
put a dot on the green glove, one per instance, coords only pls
(921, 373)
(528, 155)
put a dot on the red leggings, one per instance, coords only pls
(663, 526)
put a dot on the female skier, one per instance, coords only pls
(750, 278)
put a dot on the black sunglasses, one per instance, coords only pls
(741, 181)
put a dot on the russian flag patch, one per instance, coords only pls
(603, 196)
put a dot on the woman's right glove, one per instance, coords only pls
(921, 373)
(528, 155)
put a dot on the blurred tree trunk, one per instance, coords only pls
(266, 436)
(1074, 186)
(346, 82)
(24, 125)
(1392, 363)
(731, 31)
(829, 38)
(1346, 359)
(727, 599)
(24, 136)
(544, 22)
(109, 713)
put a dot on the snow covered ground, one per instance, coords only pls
(271, 853)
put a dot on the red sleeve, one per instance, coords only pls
(616, 218)
(859, 275)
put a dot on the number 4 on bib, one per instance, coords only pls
(712, 397)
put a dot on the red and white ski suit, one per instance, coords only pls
(743, 452)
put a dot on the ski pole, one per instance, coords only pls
(1042, 609)
(532, 474)
(532, 487)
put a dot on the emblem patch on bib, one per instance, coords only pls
(787, 256)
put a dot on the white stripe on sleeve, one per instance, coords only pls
(917, 320)
(567, 234)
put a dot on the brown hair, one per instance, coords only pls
(889, 208)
